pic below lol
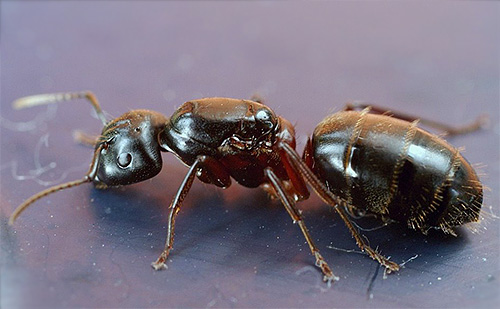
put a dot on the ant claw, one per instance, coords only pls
(159, 264)
(329, 279)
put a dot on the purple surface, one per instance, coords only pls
(88, 248)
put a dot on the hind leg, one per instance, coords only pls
(480, 121)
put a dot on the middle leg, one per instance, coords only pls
(289, 204)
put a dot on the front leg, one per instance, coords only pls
(204, 166)
(175, 206)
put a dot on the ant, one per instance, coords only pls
(356, 161)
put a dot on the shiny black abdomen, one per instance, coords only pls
(394, 169)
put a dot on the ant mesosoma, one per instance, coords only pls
(356, 161)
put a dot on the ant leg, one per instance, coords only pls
(213, 172)
(175, 206)
(300, 188)
(84, 138)
(289, 204)
(329, 198)
(479, 123)
(210, 171)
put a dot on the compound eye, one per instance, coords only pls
(124, 159)
(263, 115)
(264, 119)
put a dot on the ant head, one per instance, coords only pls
(128, 150)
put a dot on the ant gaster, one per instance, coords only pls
(223, 138)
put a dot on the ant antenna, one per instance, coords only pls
(91, 174)
(43, 193)
(42, 99)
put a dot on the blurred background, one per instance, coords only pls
(84, 247)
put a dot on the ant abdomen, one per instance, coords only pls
(394, 169)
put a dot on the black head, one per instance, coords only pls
(128, 151)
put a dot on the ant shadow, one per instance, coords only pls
(255, 231)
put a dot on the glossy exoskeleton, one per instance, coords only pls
(222, 138)
(391, 168)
